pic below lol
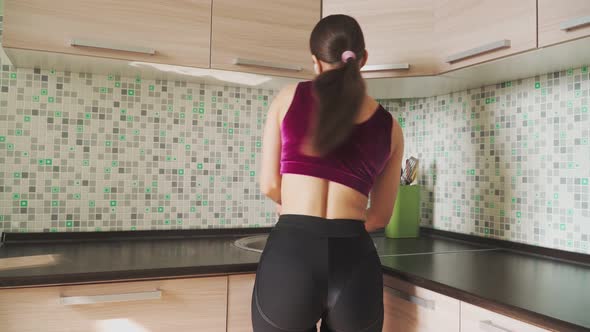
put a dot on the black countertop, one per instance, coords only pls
(545, 291)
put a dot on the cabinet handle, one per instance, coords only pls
(265, 64)
(393, 66)
(489, 326)
(125, 297)
(574, 23)
(428, 304)
(497, 45)
(113, 47)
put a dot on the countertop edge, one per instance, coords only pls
(518, 313)
(125, 275)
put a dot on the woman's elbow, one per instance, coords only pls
(270, 189)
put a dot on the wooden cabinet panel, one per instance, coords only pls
(481, 28)
(195, 304)
(476, 319)
(396, 32)
(264, 35)
(178, 31)
(239, 301)
(411, 308)
(563, 20)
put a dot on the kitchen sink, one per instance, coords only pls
(252, 243)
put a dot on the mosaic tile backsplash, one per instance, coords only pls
(509, 161)
(82, 152)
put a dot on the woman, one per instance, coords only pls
(327, 146)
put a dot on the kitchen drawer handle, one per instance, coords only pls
(108, 46)
(393, 66)
(489, 326)
(497, 45)
(428, 304)
(574, 23)
(265, 64)
(125, 297)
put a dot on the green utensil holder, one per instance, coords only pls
(405, 221)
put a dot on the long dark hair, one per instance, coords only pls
(340, 91)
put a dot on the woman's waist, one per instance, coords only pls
(324, 227)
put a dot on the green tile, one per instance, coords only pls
(537, 85)
(117, 84)
(13, 75)
(36, 98)
(24, 203)
(91, 203)
(181, 171)
(160, 209)
(54, 203)
(48, 161)
(113, 203)
(2, 139)
(584, 69)
(44, 92)
(69, 224)
(152, 88)
(50, 99)
(584, 181)
(131, 92)
(103, 90)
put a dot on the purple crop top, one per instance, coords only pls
(355, 164)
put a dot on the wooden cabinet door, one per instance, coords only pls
(411, 308)
(239, 301)
(194, 304)
(166, 31)
(398, 34)
(476, 319)
(563, 20)
(474, 31)
(264, 36)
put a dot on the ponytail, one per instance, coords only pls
(339, 92)
(339, 95)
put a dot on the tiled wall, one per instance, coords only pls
(82, 152)
(509, 161)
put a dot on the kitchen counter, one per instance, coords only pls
(546, 291)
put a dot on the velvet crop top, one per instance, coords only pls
(355, 164)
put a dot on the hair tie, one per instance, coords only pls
(347, 55)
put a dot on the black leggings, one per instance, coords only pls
(314, 268)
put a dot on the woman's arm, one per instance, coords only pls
(386, 185)
(270, 177)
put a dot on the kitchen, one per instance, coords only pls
(131, 138)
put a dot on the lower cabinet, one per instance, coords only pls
(478, 319)
(415, 309)
(193, 304)
(217, 304)
(239, 301)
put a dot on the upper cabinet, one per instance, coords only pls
(264, 36)
(468, 32)
(166, 31)
(563, 20)
(398, 34)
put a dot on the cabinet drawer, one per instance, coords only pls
(196, 304)
(476, 319)
(411, 308)
(468, 32)
(563, 20)
(166, 31)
